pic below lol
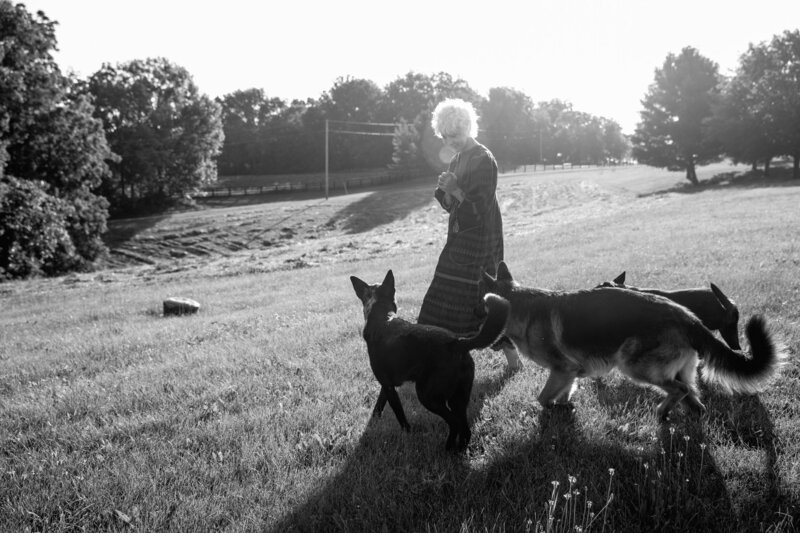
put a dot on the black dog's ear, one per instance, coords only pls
(503, 273)
(387, 287)
(359, 287)
(488, 279)
(620, 279)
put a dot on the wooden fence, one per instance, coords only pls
(303, 186)
(338, 183)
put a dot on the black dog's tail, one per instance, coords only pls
(733, 370)
(493, 327)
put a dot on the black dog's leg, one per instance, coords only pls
(440, 408)
(459, 401)
(394, 401)
(434, 403)
(380, 404)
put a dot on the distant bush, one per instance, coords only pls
(33, 235)
(53, 154)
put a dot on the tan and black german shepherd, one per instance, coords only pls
(436, 359)
(647, 337)
(716, 311)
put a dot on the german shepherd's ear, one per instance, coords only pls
(620, 280)
(502, 272)
(359, 286)
(488, 279)
(724, 300)
(387, 287)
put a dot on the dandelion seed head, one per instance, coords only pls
(572, 479)
(554, 483)
(611, 472)
(687, 438)
(702, 445)
(672, 430)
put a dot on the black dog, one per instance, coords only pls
(712, 307)
(436, 359)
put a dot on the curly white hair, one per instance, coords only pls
(454, 116)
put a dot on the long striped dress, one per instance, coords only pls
(474, 244)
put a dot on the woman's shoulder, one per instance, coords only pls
(479, 151)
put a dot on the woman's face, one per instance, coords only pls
(456, 141)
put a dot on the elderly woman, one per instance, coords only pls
(475, 228)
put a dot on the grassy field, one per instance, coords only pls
(254, 414)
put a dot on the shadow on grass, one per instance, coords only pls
(398, 482)
(749, 427)
(382, 207)
(779, 177)
(121, 231)
(392, 479)
(218, 202)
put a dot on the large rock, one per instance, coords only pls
(180, 306)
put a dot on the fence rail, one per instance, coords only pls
(355, 182)
(311, 185)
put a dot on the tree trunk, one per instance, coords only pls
(766, 166)
(755, 165)
(796, 167)
(691, 175)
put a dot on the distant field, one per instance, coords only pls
(254, 415)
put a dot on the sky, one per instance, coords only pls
(599, 55)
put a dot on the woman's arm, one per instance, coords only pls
(478, 188)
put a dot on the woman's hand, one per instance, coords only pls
(448, 182)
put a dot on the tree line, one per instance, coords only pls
(692, 115)
(140, 134)
(372, 126)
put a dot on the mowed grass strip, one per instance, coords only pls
(254, 414)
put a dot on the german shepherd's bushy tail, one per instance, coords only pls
(736, 372)
(492, 328)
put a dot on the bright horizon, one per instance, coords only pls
(599, 55)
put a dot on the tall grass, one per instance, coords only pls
(254, 415)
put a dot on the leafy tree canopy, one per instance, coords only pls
(53, 154)
(672, 133)
(166, 133)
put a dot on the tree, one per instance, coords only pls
(407, 96)
(773, 72)
(741, 130)
(405, 156)
(242, 115)
(53, 155)
(508, 125)
(615, 145)
(33, 235)
(355, 100)
(672, 133)
(166, 133)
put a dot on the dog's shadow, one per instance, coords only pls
(386, 464)
(746, 424)
(511, 480)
